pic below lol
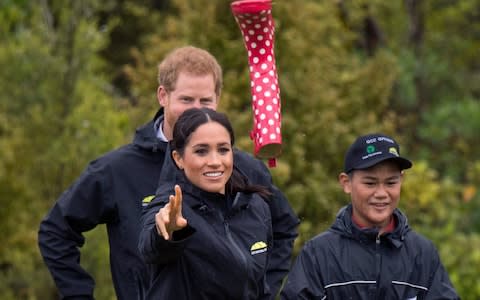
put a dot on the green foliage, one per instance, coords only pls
(59, 109)
(55, 110)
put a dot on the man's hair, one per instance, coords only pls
(191, 60)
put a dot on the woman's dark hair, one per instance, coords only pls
(193, 118)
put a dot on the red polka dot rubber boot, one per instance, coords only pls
(255, 20)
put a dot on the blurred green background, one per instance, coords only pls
(77, 77)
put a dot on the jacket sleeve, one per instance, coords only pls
(284, 220)
(284, 226)
(441, 287)
(304, 280)
(80, 208)
(153, 248)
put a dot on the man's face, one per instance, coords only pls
(374, 192)
(208, 157)
(190, 91)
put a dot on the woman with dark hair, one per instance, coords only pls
(209, 235)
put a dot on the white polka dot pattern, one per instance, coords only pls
(255, 21)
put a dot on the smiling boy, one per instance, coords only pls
(370, 252)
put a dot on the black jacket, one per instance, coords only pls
(346, 262)
(222, 253)
(110, 191)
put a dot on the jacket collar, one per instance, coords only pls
(346, 227)
(146, 135)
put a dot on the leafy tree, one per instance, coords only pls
(85, 71)
(55, 109)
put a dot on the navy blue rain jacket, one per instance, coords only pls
(222, 254)
(346, 262)
(109, 191)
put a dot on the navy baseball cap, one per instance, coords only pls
(371, 149)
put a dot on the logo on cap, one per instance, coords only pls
(394, 151)
(370, 149)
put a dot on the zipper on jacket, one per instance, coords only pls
(378, 260)
(234, 243)
(230, 237)
(229, 234)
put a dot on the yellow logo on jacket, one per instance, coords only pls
(258, 247)
(147, 200)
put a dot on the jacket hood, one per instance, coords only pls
(344, 225)
(146, 135)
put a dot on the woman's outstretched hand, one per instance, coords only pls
(169, 218)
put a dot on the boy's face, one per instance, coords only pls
(374, 192)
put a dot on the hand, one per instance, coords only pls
(169, 218)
